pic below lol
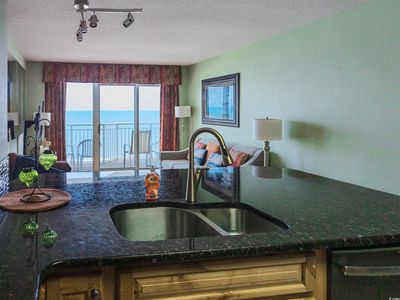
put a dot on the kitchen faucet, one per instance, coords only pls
(194, 175)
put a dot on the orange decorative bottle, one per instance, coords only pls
(152, 183)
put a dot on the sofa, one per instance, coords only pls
(178, 159)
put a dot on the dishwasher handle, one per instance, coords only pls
(371, 271)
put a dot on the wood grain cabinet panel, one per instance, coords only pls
(289, 277)
(249, 278)
(73, 287)
(85, 286)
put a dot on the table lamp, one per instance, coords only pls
(267, 130)
(182, 112)
(44, 117)
(13, 116)
(45, 120)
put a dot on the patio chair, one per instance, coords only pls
(144, 146)
(85, 150)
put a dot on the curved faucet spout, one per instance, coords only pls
(194, 176)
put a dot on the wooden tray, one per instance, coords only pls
(12, 202)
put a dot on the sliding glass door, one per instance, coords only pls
(112, 127)
(128, 126)
(79, 126)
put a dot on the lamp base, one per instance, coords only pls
(266, 153)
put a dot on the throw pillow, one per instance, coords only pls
(197, 145)
(238, 157)
(199, 156)
(215, 160)
(212, 148)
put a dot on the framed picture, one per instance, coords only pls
(223, 182)
(220, 100)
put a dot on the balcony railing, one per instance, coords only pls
(113, 138)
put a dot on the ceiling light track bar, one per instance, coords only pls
(111, 10)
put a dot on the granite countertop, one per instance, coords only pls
(320, 212)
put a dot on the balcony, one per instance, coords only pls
(115, 141)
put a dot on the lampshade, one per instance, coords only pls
(45, 116)
(267, 129)
(13, 116)
(183, 111)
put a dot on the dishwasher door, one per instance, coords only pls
(368, 274)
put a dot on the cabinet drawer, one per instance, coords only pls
(238, 279)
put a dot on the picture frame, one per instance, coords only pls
(223, 182)
(220, 100)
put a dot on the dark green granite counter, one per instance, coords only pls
(320, 212)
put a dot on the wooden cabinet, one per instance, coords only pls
(289, 277)
(279, 277)
(83, 286)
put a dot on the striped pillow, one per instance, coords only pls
(215, 160)
(200, 156)
(197, 145)
(239, 158)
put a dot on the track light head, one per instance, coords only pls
(79, 36)
(81, 4)
(129, 20)
(83, 26)
(93, 20)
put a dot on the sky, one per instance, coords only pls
(80, 97)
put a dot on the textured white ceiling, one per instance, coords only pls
(168, 32)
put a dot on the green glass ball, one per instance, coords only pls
(28, 176)
(47, 159)
(29, 228)
(49, 237)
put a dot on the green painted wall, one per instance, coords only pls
(17, 101)
(3, 79)
(35, 88)
(336, 85)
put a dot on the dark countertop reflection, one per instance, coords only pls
(320, 212)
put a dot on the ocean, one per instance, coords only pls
(111, 116)
(113, 134)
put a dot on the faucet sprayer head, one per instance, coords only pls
(226, 157)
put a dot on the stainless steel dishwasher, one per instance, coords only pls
(367, 274)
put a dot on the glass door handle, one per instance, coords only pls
(371, 271)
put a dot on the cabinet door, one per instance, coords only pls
(248, 278)
(75, 287)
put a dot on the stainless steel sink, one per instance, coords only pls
(168, 222)
(238, 221)
(160, 223)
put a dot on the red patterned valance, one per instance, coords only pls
(111, 73)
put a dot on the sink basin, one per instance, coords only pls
(160, 223)
(236, 221)
(174, 221)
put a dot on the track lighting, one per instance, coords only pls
(81, 4)
(82, 7)
(83, 26)
(93, 20)
(79, 36)
(129, 20)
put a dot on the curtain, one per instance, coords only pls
(55, 76)
(111, 73)
(55, 103)
(169, 128)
